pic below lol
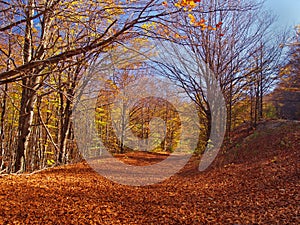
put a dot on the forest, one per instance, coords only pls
(141, 80)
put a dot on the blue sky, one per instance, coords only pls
(287, 10)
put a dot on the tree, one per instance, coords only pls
(46, 48)
(287, 94)
(48, 33)
(225, 40)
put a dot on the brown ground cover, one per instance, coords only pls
(256, 180)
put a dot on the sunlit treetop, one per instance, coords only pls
(202, 23)
(187, 4)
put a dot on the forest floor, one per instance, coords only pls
(254, 180)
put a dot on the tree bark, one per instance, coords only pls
(65, 126)
(28, 97)
(28, 102)
(2, 130)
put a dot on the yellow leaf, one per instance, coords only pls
(192, 18)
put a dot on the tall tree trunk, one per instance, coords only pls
(261, 101)
(209, 121)
(251, 107)
(30, 83)
(259, 78)
(123, 128)
(229, 110)
(260, 116)
(65, 125)
(3, 112)
(2, 130)
(256, 108)
(28, 97)
(28, 102)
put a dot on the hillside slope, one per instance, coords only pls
(270, 139)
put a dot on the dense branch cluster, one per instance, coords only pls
(48, 47)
